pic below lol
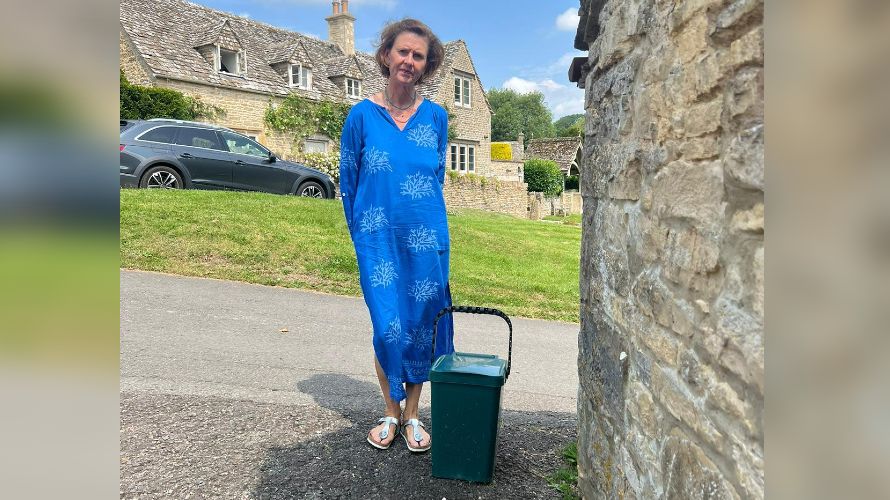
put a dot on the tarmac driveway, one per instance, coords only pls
(218, 402)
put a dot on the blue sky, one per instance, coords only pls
(520, 44)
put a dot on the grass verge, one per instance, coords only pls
(565, 480)
(522, 267)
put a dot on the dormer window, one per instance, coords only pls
(462, 91)
(300, 76)
(229, 61)
(353, 87)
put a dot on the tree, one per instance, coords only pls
(513, 113)
(569, 126)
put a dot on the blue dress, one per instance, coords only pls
(391, 185)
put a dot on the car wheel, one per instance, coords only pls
(161, 178)
(311, 189)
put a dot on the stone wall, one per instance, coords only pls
(506, 170)
(134, 69)
(671, 353)
(506, 197)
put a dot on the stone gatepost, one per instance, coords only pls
(671, 351)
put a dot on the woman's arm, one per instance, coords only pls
(350, 160)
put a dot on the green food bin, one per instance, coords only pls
(466, 407)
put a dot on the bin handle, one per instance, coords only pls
(476, 310)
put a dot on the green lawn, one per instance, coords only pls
(524, 268)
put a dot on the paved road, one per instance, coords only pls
(217, 401)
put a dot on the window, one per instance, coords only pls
(353, 87)
(462, 91)
(228, 61)
(315, 146)
(300, 76)
(199, 138)
(160, 134)
(463, 158)
(239, 144)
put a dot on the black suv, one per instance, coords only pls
(162, 153)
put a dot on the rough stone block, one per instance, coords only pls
(743, 160)
(758, 285)
(743, 353)
(626, 185)
(748, 49)
(748, 461)
(690, 191)
(683, 11)
(745, 96)
(737, 11)
(654, 299)
(690, 473)
(748, 220)
(660, 344)
(647, 238)
(703, 118)
(693, 39)
(688, 253)
(681, 404)
(699, 148)
(697, 375)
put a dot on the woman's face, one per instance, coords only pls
(406, 59)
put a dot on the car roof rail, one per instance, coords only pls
(187, 122)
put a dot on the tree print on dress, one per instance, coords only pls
(424, 136)
(347, 158)
(424, 290)
(377, 160)
(416, 369)
(443, 158)
(421, 338)
(393, 334)
(417, 186)
(373, 219)
(422, 239)
(384, 274)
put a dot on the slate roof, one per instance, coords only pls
(562, 150)
(166, 34)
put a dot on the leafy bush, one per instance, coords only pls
(572, 182)
(501, 151)
(328, 163)
(141, 103)
(543, 176)
(304, 117)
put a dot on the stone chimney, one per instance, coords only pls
(341, 27)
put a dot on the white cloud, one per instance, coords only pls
(560, 99)
(568, 20)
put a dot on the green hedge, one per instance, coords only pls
(543, 176)
(572, 182)
(141, 103)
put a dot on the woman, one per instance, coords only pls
(392, 167)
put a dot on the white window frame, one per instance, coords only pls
(307, 85)
(357, 85)
(463, 158)
(238, 56)
(464, 91)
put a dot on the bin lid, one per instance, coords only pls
(469, 368)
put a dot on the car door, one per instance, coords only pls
(252, 169)
(201, 151)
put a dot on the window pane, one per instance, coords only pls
(199, 138)
(453, 157)
(463, 158)
(457, 90)
(471, 163)
(160, 134)
(295, 74)
(307, 78)
(466, 95)
(242, 145)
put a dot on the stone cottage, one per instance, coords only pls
(671, 347)
(565, 151)
(244, 66)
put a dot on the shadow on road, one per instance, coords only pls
(342, 464)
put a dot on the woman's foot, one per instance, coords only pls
(383, 435)
(412, 429)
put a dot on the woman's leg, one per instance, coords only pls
(411, 403)
(392, 408)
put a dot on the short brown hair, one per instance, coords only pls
(435, 50)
